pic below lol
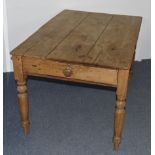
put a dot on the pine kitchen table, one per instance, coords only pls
(86, 47)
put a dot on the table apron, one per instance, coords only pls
(86, 74)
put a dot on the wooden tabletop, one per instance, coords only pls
(98, 39)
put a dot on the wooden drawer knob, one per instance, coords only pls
(68, 71)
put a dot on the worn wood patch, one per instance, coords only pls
(82, 39)
(116, 45)
(55, 32)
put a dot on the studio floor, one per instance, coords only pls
(77, 119)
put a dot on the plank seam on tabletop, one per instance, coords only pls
(67, 35)
(99, 38)
(25, 53)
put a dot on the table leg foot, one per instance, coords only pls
(118, 124)
(25, 127)
(116, 144)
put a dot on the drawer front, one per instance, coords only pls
(70, 71)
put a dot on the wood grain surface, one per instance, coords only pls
(98, 39)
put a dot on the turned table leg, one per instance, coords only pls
(23, 105)
(20, 77)
(121, 92)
